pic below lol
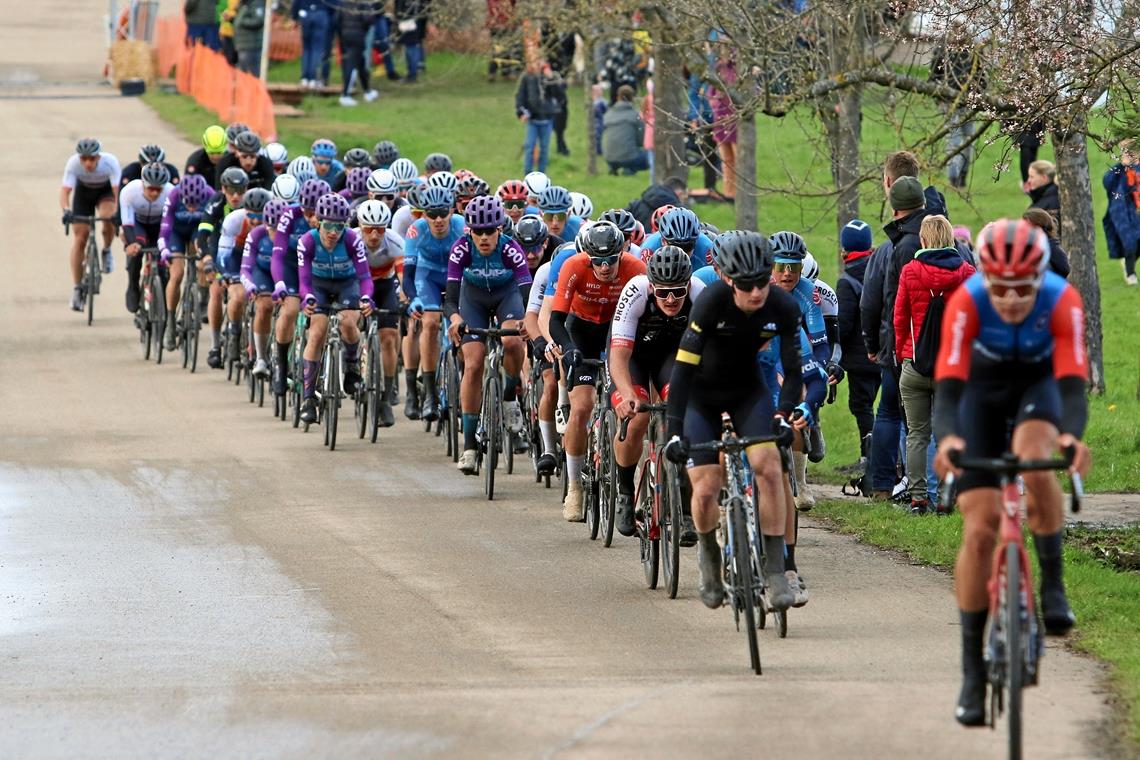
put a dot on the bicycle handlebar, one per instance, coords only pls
(84, 220)
(735, 444)
(1009, 466)
(640, 409)
(489, 332)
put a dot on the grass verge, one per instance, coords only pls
(1106, 601)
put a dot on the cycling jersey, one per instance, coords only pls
(570, 231)
(707, 275)
(538, 288)
(134, 206)
(133, 171)
(561, 255)
(199, 162)
(344, 261)
(332, 174)
(812, 319)
(235, 228)
(401, 220)
(290, 227)
(639, 321)
(699, 255)
(824, 295)
(815, 379)
(178, 223)
(504, 264)
(257, 259)
(432, 253)
(384, 261)
(210, 228)
(106, 171)
(261, 175)
(583, 294)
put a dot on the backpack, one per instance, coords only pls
(854, 283)
(926, 345)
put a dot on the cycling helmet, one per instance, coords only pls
(622, 218)
(273, 211)
(531, 231)
(255, 199)
(555, 200)
(435, 197)
(415, 197)
(680, 226)
(385, 153)
(437, 162)
(234, 178)
(302, 168)
(787, 247)
(357, 157)
(580, 238)
(655, 220)
(214, 140)
(637, 237)
(195, 190)
(373, 214)
(811, 267)
(382, 182)
(405, 171)
(312, 190)
(247, 142)
(235, 129)
(473, 186)
(710, 229)
(357, 180)
(333, 208)
(1012, 249)
(535, 183)
(151, 154)
(444, 179)
(323, 148)
(669, 265)
(508, 227)
(603, 239)
(580, 205)
(287, 188)
(277, 153)
(155, 175)
(484, 211)
(511, 190)
(743, 255)
(462, 174)
(88, 146)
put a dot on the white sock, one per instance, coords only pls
(261, 344)
(563, 396)
(546, 427)
(574, 467)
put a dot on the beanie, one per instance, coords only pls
(856, 236)
(906, 194)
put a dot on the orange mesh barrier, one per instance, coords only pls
(233, 95)
(169, 41)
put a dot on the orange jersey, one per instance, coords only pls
(582, 294)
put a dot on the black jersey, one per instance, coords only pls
(133, 171)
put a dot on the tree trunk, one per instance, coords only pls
(591, 127)
(1078, 224)
(842, 118)
(669, 110)
(746, 172)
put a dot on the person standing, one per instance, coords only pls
(227, 9)
(1058, 257)
(724, 125)
(315, 18)
(249, 27)
(411, 24)
(623, 133)
(354, 25)
(959, 68)
(1043, 191)
(1122, 218)
(535, 108)
(863, 376)
(202, 23)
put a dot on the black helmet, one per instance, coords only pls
(151, 154)
(469, 187)
(603, 239)
(255, 199)
(235, 178)
(155, 175)
(710, 229)
(235, 129)
(531, 231)
(787, 245)
(669, 265)
(743, 255)
(385, 153)
(437, 162)
(357, 157)
(88, 146)
(247, 142)
(624, 220)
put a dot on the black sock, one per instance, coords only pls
(625, 478)
(410, 381)
(973, 633)
(1049, 558)
(790, 558)
(389, 383)
(283, 350)
(429, 384)
(708, 540)
(773, 553)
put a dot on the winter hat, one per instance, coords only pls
(906, 194)
(962, 232)
(856, 236)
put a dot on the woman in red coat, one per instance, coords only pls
(937, 269)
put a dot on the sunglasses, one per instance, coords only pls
(385, 198)
(337, 227)
(559, 216)
(322, 162)
(253, 217)
(687, 246)
(1011, 290)
(678, 292)
(796, 267)
(604, 261)
(748, 284)
(484, 231)
(437, 213)
(514, 204)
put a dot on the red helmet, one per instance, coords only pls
(656, 218)
(637, 237)
(512, 190)
(462, 174)
(1012, 249)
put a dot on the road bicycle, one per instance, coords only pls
(254, 383)
(532, 430)
(188, 316)
(92, 278)
(295, 386)
(1014, 640)
(234, 342)
(330, 388)
(151, 315)
(491, 434)
(370, 391)
(280, 401)
(599, 470)
(449, 389)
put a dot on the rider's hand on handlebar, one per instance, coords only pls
(68, 216)
(781, 428)
(309, 305)
(1082, 457)
(453, 331)
(677, 450)
(366, 305)
(627, 403)
(279, 292)
(942, 464)
(570, 358)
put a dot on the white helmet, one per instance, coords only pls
(302, 168)
(446, 180)
(581, 206)
(275, 152)
(405, 171)
(373, 214)
(287, 188)
(535, 183)
(810, 268)
(382, 182)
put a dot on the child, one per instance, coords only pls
(599, 92)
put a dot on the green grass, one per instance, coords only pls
(1106, 602)
(456, 110)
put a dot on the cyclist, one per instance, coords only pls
(429, 241)
(789, 251)
(469, 188)
(588, 287)
(437, 162)
(652, 314)
(581, 206)
(405, 172)
(513, 195)
(404, 216)
(234, 231)
(534, 238)
(629, 227)
(354, 158)
(492, 271)
(446, 180)
(325, 162)
(535, 183)
(680, 227)
(204, 160)
(257, 278)
(333, 268)
(382, 186)
(148, 154)
(1012, 356)
(655, 218)
(385, 251)
(90, 188)
(355, 186)
(295, 222)
(555, 206)
(180, 218)
(140, 206)
(232, 131)
(716, 371)
(234, 182)
(384, 154)
(302, 168)
(287, 188)
(278, 155)
(247, 155)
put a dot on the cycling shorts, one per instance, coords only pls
(384, 295)
(178, 238)
(591, 339)
(432, 292)
(146, 234)
(345, 293)
(648, 367)
(85, 200)
(263, 280)
(751, 415)
(477, 306)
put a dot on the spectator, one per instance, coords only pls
(315, 18)
(202, 23)
(1043, 191)
(249, 26)
(648, 119)
(1122, 218)
(411, 23)
(699, 142)
(724, 126)
(600, 107)
(623, 133)
(1058, 258)
(556, 88)
(863, 377)
(620, 66)
(963, 238)
(500, 27)
(671, 192)
(227, 11)
(957, 67)
(535, 108)
(937, 269)
(382, 45)
(354, 25)
(1028, 142)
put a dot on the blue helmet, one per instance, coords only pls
(787, 247)
(680, 226)
(434, 197)
(555, 200)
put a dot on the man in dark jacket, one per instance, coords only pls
(202, 23)
(672, 192)
(1043, 191)
(1058, 257)
(535, 108)
(249, 25)
(863, 376)
(623, 135)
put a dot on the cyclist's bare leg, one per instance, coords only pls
(581, 404)
(106, 208)
(174, 284)
(627, 452)
(411, 345)
(214, 311)
(471, 389)
(706, 480)
(389, 339)
(262, 315)
(769, 476)
(79, 233)
(350, 326)
(514, 353)
(318, 329)
(429, 341)
(980, 508)
(286, 318)
(236, 304)
(1037, 439)
(549, 397)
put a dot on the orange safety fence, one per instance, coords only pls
(169, 39)
(233, 95)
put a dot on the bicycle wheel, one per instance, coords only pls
(492, 420)
(193, 325)
(296, 384)
(1015, 646)
(158, 316)
(589, 479)
(332, 397)
(607, 477)
(744, 581)
(455, 426)
(92, 275)
(144, 333)
(361, 398)
(669, 494)
(375, 387)
(650, 544)
(508, 438)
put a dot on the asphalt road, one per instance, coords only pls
(182, 576)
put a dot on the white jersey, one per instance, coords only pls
(538, 288)
(402, 220)
(826, 299)
(134, 208)
(106, 171)
(382, 261)
(631, 308)
(233, 227)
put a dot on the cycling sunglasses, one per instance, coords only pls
(788, 266)
(678, 292)
(1012, 289)
(686, 246)
(748, 284)
(484, 231)
(322, 162)
(605, 261)
(385, 198)
(559, 216)
(437, 213)
(253, 217)
(337, 227)
(514, 204)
